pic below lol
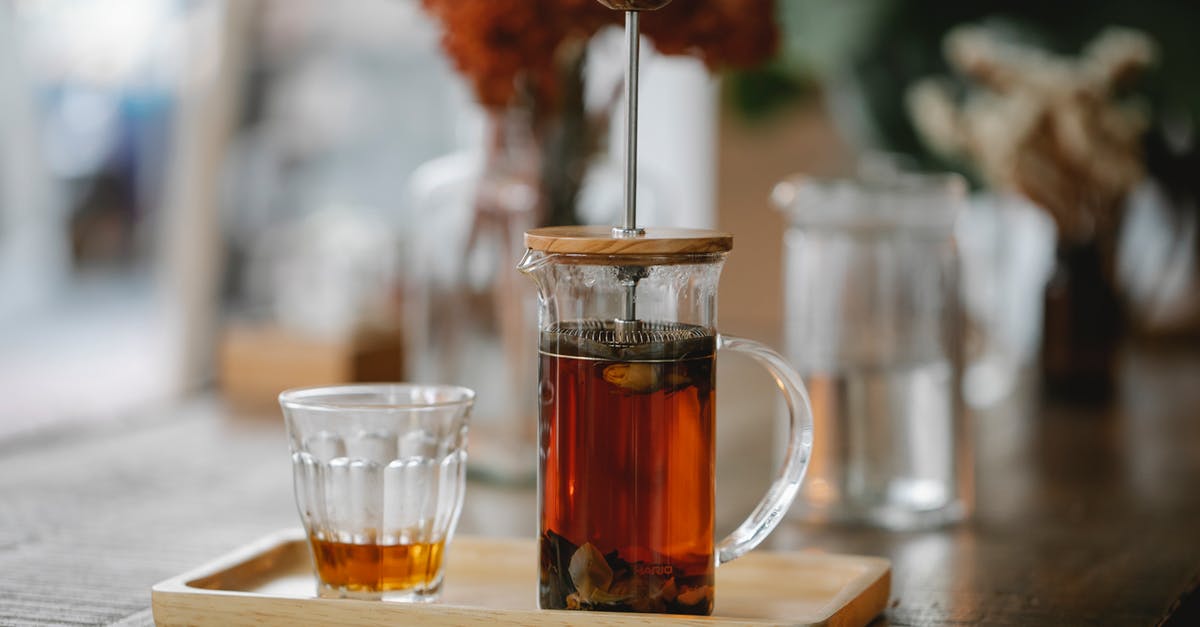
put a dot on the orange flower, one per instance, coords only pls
(505, 47)
(722, 33)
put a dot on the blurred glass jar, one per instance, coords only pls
(468, 315)
(873, 324)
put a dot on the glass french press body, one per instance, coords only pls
(627, 321)
(628, 340)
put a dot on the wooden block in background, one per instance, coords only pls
(751, 159)
(256, 363)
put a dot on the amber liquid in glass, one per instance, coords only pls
(627, 461)
(377, 567)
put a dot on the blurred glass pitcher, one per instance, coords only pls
(872, 320)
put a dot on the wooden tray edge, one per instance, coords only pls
(174, 602)
(244, 553)
(872, 600)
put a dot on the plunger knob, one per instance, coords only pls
(635, 5)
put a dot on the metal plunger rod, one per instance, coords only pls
(633, 46)
(633, 49)
(630, 302)
(629, 275)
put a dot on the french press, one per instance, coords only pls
(628, 340)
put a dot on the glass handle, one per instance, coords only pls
(769, 512)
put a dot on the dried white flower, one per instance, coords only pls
(1041, 124)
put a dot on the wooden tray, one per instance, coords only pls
(271, 582)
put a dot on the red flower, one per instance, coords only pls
(507, 46)
(722, 33)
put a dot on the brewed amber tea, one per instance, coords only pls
(627, 461)
(377, 567)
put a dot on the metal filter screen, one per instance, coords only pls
(640, 340)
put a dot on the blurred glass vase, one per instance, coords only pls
(872, 322)
(468, 314)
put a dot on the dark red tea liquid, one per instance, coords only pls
(626, 477)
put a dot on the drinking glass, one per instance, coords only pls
(379, 476)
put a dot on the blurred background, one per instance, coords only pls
(201, 195)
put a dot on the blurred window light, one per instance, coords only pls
(102, 43)
(336, 105)
(79, 129)
(87, 95)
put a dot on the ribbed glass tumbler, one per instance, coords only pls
(379, 478)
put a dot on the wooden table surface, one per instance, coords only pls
(1083, 516)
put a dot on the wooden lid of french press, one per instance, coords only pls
(602, 240)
